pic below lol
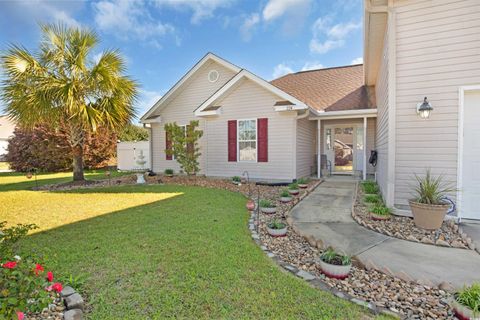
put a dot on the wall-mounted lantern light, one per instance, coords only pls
(424, 109)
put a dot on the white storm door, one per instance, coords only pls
(470, 190)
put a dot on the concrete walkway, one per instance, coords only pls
(326, 215)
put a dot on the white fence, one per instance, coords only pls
(128, 153)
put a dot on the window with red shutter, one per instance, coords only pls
(262, 136)
(232, 140)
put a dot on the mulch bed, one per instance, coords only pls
(404, 228)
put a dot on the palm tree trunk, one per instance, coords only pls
(78, 163)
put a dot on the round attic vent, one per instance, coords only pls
(213, 75)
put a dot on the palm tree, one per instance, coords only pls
(63, 85)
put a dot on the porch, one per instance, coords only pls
(344, 141)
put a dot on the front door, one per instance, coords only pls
(340, 148)
(470, 190)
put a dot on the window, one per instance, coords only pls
(184, 129)
(329, 139)
(247, 140)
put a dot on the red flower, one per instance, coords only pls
(57, 286)
(20, 315)
(38, 268)
(9, 265)
(49, 276)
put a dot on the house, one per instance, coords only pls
(309, 122)
(6, 131)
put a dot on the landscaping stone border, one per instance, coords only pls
(74, 304)
(400, 227)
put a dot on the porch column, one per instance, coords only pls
(319, 170)
(364, 148)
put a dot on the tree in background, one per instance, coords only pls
(133, 132)
(183, 144)
(64, 86)
(48, 149)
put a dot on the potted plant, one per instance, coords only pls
(285, 196)
(466, 303)
(380, 212)
(335, 265)
(303, 183)
(428, 207)
(250, 205)
(267, 206)
(236, 180)
(293, 189)
(276, 228)
(168, 172)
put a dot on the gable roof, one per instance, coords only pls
(183, 81)
(293, 102)
(330, 89)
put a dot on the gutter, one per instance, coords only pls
(346, 114)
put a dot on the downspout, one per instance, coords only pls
(150, 142)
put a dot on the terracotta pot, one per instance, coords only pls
(428, 216)
(378, 217)
(250, 205)
(277, 232)
(463, 312)
(302, 185)
(285, 199)
(294, 192)
(335, 271)
(268, 210)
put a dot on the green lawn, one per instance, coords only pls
(163, 252)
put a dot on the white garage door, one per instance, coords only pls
(471, 156)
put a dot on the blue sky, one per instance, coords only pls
(162, 39)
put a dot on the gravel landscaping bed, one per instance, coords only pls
(404, 228)
(368, 287)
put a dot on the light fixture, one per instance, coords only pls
(424, 109)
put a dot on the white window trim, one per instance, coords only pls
(256, 140)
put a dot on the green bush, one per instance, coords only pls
(293, 186)
(284, 193)
(276, 224)
(332, 257)
(431, 189)
(303, 181)
(236, 179)
(370, 187)
(381, 210)
(266, 204)
(470, 297)
(168, 171)
(372, 198)
(10, 236)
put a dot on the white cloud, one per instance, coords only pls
(358, 60)
(276, 8)
(327, 37)
(312, 65)
(281, 70)
(248, 25)
(146, 100)
(130, 20)
(202, 9)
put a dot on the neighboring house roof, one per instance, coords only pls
(330, 89)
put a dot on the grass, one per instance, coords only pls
(4, 166)
(163, 252)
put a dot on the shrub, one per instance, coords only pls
(381, 210)
(133, 132)
(236, 179)
(431, 190)
(293, 186)
(303, 181)
(266, 204)
(470, 297)
(49, 149)
(276, 224)
(168, 171)
(372, 198)
(10, 236)
(332, 257)
(284, 193)
(370, 187)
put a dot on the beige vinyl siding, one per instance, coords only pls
(438, 50)
(371, 138)
(306, 143)
(381, 90)
(181, 110)
(250, 101)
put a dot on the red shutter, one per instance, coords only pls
(168, 145)
(232, 140)
(262, 132)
